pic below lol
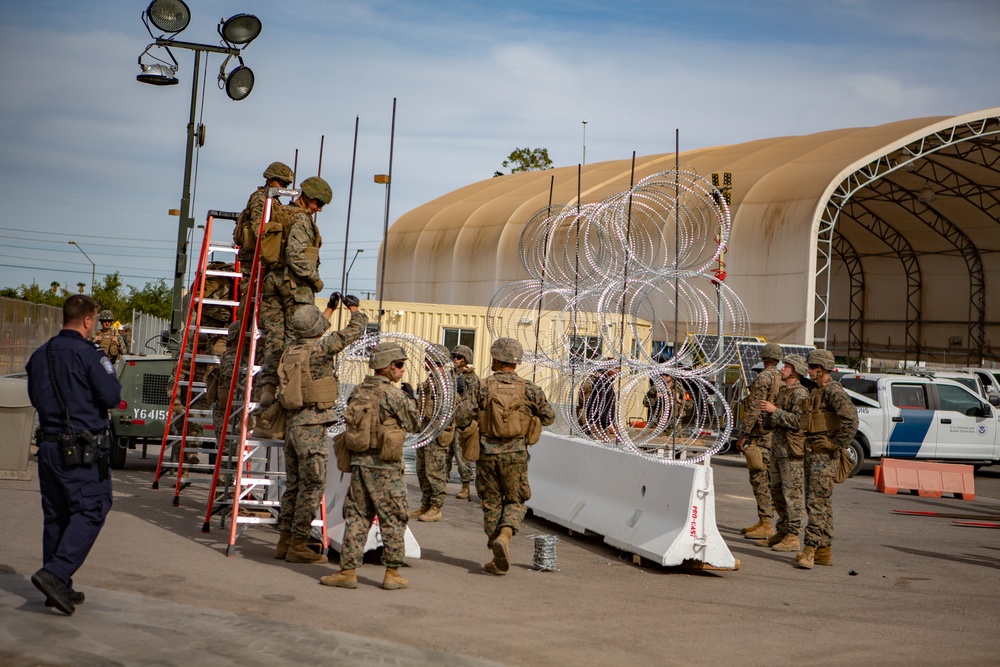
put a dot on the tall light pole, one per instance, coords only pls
(171, 17)
(347, 276)
(93, 267)
(584, 142)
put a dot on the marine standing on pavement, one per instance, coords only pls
(432, 458)
(72, 385)
(831, 420)
(765, 386)
(277, 175)
(502, 469)
(309, 390)
(377, 488)
(785, 474)
(107, 338)
(468, 389)
(294, 282)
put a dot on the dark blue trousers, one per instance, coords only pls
(74, 505)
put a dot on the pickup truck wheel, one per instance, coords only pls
(858, 454)
(119, 448)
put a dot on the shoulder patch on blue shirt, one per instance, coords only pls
(107, 365)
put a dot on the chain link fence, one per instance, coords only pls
(24, 327)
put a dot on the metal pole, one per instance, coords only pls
(347, 228)
(584, 143)
(385, 229)
(93, 267)
(347, 274)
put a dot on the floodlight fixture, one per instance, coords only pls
(158, 74)
(240, 30)
(239, 83)
(170, 16)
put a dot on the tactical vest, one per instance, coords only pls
(298, 387)
(275, 238)
(364, 428)
(819, 422)
(505, 414)
(109, 343)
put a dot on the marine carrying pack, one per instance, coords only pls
(361, 417)
(298, 387)
(275, 236)
(245, 232)
(505, 415)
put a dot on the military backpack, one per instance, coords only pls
(505, 413)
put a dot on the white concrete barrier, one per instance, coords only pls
(664, 513)
(337, 484)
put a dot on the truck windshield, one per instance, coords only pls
(867, 388)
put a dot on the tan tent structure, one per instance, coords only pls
(873, 242)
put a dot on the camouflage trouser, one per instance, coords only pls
(502, 485)
(465, 471)
(431, 460)
(787, 479)
(278, 303)
(306, 456)
(759, 480)
(234, 425)
(820, 467)
(374, 492)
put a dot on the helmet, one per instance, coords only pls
(315, 187)
(463, 351)
(308, 322)
(822, 358)
(771, 351)
(384, 354)
(437, 354)
(798, 363)
(234, 332)
(106, 316)
(280, 172)
(507, 350)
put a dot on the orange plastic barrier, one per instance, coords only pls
(924, 478)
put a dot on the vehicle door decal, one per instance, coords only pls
(907, 437)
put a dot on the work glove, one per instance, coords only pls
(334, 301)
(408, 390)
(351, 300)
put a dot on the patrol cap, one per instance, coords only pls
(437, 354)
(384, 354)
(798, 363)
(771, 351)
(308, 322)
(507, 350)
(106, 316)
(463, 351)
(821, 358)
(280, 172)
(315, 187)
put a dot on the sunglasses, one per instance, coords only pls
(815, 366)
(399, 364)
(457, 356)
(319, 204)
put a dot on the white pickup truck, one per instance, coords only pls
(920, 417)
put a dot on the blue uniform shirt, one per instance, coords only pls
(86, 379)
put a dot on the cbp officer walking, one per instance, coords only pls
(72, 384)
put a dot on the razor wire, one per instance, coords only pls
(429, 371)
(602, 277)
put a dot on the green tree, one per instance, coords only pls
(526, 159)
(109, 294)
(155, 299)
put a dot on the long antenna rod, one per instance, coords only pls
(385, 228)
(677, 243)
(347, 230)
(541, 285)
(295, 168)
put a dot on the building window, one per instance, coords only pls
(372, 327)
(584, 347)
(453, 337)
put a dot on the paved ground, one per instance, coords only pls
(903, 591)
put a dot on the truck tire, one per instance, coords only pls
(119, 449)
(858, 454)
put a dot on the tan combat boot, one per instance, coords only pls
(343, 579)
(393, 581)
(771, 541)
(823, 556)
(464, 493)
(298, 552)
(805, 559)
(431, 515)
(284, 539)
(501, 549)
(787, 543)
(491, 568)
(420, 510)
(761, 531)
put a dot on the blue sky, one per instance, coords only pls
(91, 155)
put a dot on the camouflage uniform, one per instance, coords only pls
(432, 458)
(377, 488)
(227, 365)
(762, 387)
(502, 468)
(112, 344)
(823, 457)
(785, 471)
(470, 392)
(655, 403)
(307, 451)
(286, 288)
(254, 211)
